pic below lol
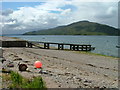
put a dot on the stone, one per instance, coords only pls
(17, 59)
(5, 70)
(15, 56)
(28, 70)
(43, 72)
(3, 59)
(26, 61)
(10, 65)
(22, 67)
(87, 81)
(67, 73)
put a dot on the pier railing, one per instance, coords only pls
(76, 47)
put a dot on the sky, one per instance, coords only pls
(21, 17)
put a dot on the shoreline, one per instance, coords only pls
(114, 56)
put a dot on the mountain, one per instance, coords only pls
(78, 28)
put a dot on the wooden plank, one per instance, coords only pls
(13, 43)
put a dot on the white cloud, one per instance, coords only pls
(52, 14)
(59, 0)
(65, 12)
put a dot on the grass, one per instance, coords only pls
(83, 52)
(17, 81)
(91, 53)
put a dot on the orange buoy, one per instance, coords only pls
(38, 64)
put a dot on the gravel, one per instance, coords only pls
(66, 69)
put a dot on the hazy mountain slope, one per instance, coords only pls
(78, 28)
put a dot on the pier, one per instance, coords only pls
(61, 46)
(44, 45)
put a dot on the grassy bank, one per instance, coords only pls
(17, 81)
(81, 52)
(91, 53)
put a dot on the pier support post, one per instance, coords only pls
(81, 47)
(72, 47)
(60, 47)
(88, 47)
(29, 44)
(85, 47)
(77, 47)
(46, 46)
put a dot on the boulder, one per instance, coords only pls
(3, 59)
(22, 67)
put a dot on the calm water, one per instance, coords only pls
(105, 45)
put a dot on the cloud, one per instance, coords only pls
(7, 12)
(52, 14)
(108, 13)
(101, 12)
(59, 0)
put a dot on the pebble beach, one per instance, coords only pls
(64, 69)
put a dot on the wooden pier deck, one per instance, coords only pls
(75, 47)
(13, 42)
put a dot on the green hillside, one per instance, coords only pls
(78, 28)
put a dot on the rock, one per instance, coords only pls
(50, 74)
(3, 59)
(43, 71)
(79, 79)
(17, 59)
(87, 81)
(30, 64)
(11, 54)
(22, 67)
(59, 86)
(26, 61)
(28, 70)
(103, 87)
(15, 56)
(105, 75)
(5, 70)
(10, 65)
(67, 73)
